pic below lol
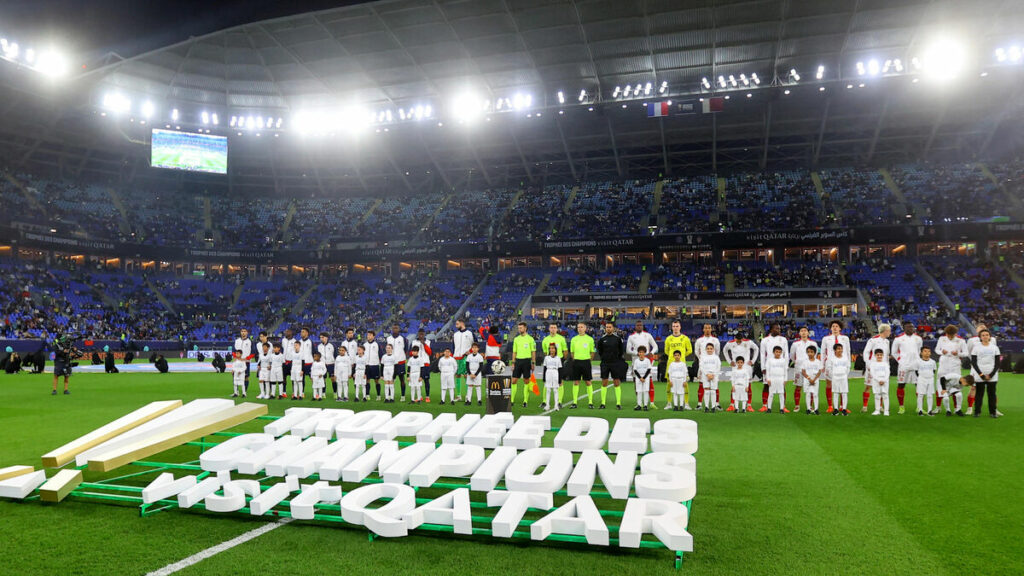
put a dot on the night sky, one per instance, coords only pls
(88, 29)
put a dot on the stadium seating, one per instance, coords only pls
(950, 192)
(470, 217)
(686, 276)
(501, 294)
(984, 290)
(687, 205)
(858, 197)
(531, 218)
(776, 200)
(601, 207)
(786, 274)
(899, 293)
(565, 280)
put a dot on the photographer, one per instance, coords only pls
(64, 352)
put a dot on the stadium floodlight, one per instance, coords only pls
(234, 120)
(148, 109)
(820, 73)
(280, 122)
(794, 75)
(618, 89)
(943, 59)
(1000, 55)
(250, 122)
(636, 90)
(647, 89)
(116, 102)
(732, 81)
(561, 97)
(11, 50)
(468, 107)
(898, 65)
(30, 56)
(521, 101)
(721, 81)
(205, 117)
(757, 81)
(873, 67)
(860, 69)
(174, 114)
(51, 63)
(704, 82)
(583, 95)
(1015, 54)
(625, 93)
(744, 79)
(401, 113)
(886, 66)
(216, 121)
(428, 111)
(664, 86)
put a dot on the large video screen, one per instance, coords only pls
(187, 151)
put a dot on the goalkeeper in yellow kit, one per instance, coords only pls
(677, 341)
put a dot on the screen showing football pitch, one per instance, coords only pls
(188, 151)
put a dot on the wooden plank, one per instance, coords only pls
(67, 452)
(165, 440)
(12, 471)
(60, 485)
(177, 417)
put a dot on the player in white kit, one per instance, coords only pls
(775, 371)
(810, 373)
(447, 366)
(838, 366)
(877, 369)
(951, 349)
(740, 376)
(924, 383)
(828, 344)
(710, 368)
(798, 356)
(879, 342)
(342, 372)
(906, 349)
(769, 343)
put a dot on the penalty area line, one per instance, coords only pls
(214, 550)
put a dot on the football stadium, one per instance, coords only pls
(512, 287)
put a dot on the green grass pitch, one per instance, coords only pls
(176, 158)
(791, 494)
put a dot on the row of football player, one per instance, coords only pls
(939, 381)
(356, 367)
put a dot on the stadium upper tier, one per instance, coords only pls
(784, 200)
(40, 300)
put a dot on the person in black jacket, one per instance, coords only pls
(985, 363)
(64, 353)
(108, 362)
(161, 364)
(218, 363)
(611, 349)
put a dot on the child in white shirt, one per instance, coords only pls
(388, 362)
(740, 377)
(298, 380)
(641, 370)
(342, 373)
(710, 368)
(415, 364)
(838, 366)
(811, 370)
(359, 379)
(263, 373)
(878, 372)
(474, 374)
(238, 375)
(552, 364)
(317, 372)
(277, 372)
(447, 366)
(775, 371)
(678, 374)
(924, 383)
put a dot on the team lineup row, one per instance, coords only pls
(463, 367)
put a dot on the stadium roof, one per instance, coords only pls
(399, 53)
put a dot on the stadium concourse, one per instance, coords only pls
(487, 287)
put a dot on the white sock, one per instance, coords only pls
(885, 403)
(845, 396)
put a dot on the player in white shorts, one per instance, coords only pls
(924, 383)
(951, 349)
(906, 349)
(416, 363)
(776, 369)
(359, 374)
(678, 374)
(740, 376)
(877, 370)
(838, 366)
(552, 366)
(277, 371)
(263, 373)
(342, 373)
(828, 344)
(709, 369)
(474, 374)
(447, 366)
(810, 373)
(641, 370)
(798, 356)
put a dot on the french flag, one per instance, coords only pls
(657, 109)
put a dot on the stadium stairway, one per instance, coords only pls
(722, 207)
(160, 296)
(900, 208)
(207, 213)
(499, 218)
(565, 209)
(465, 303)
(32, 201)
(440, 206)
(730, 282)
(1014, 201)
(943, 297)
(288, 217)
(371, 210)
(236, 294)
(645, 280)
(656, 201)
(124, 224)
(297, 309)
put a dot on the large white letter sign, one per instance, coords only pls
(452, 509)
(666, 520)
(489, 430)
(490, 472)
(582, 433)
(577, 517)
(449, 460)
(616, 476)
(384, 521)
(362, 425)
(629, 434)
(667, 476)
(403, 424)
(527, 432)
(674, 435)
(521, 474)
(513, 507)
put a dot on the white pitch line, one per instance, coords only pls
(214, 550)
(600, 388)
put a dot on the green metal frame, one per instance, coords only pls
(110, 490)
